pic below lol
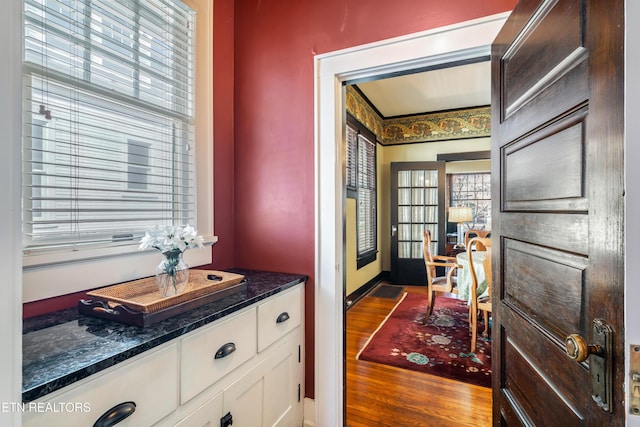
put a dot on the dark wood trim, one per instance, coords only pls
(361, 128)
(469, 155)
(430, 141)
(363, 290)
(367, 257)
(425, 113)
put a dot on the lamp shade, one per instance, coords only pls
(460, 214)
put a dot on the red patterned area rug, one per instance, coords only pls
(438, 347)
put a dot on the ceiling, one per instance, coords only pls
(451, 88)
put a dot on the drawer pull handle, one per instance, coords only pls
(225, 350)
(116, 414)
(284, 316)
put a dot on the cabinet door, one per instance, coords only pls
(282, 385)
(268, 394)
(244, 400)
(207, 415)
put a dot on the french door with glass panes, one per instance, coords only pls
(417, 204)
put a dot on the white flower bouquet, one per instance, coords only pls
(172, 275)
(170, 238)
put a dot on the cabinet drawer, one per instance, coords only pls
(278, 316)
(210, 354)
(151, 382)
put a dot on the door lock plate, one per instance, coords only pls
(601, 369)
(634, 381)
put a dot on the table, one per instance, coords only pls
(464, 275)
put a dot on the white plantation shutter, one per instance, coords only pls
(108, 113)
(366, 178)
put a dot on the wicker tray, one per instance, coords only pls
(140, 303)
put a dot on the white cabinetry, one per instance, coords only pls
(211, 353)
(264, 390)
(150, 381)
(268, 395)
(246, 367)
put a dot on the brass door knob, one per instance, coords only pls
(578, 349)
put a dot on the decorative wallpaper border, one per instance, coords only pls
(359, 108)
(439, 126)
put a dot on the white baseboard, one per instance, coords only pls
(309, 412)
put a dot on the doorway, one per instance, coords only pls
(444, 45)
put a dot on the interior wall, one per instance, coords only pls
(273, 104)
(355, 277)
(427, 152)
(223, 134)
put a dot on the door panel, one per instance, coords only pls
(560, 149)
(417, 204)
(555, 300)
(558, 221)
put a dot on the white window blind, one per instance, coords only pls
(366, 195)
(108, 114)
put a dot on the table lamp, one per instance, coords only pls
(460, 215)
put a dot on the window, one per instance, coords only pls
(361, 185)
(90, 65)
(110, 131)
(473, 190)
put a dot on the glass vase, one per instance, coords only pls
(172, 274)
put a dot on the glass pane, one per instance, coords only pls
(404, 214)
(432, 229)
(473, 190)
(431, 178)
(417, 214)
(431, 197)
(404, 196)
(416, 232)
(404, 179)
(404, 231)
(417, 196)
(417, 178)
(431, 214)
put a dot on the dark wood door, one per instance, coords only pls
(557, 154)
(417, 204)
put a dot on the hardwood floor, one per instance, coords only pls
(380, 395)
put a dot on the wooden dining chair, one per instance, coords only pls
(475, 246)
(435, 283)
(470, 234)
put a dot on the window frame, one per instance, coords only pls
(471, 202)
(368, 255)
(51, 274)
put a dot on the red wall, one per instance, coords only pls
(223, 134)
(264, 141)
(264, 122)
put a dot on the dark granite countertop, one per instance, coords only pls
(63, 347)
